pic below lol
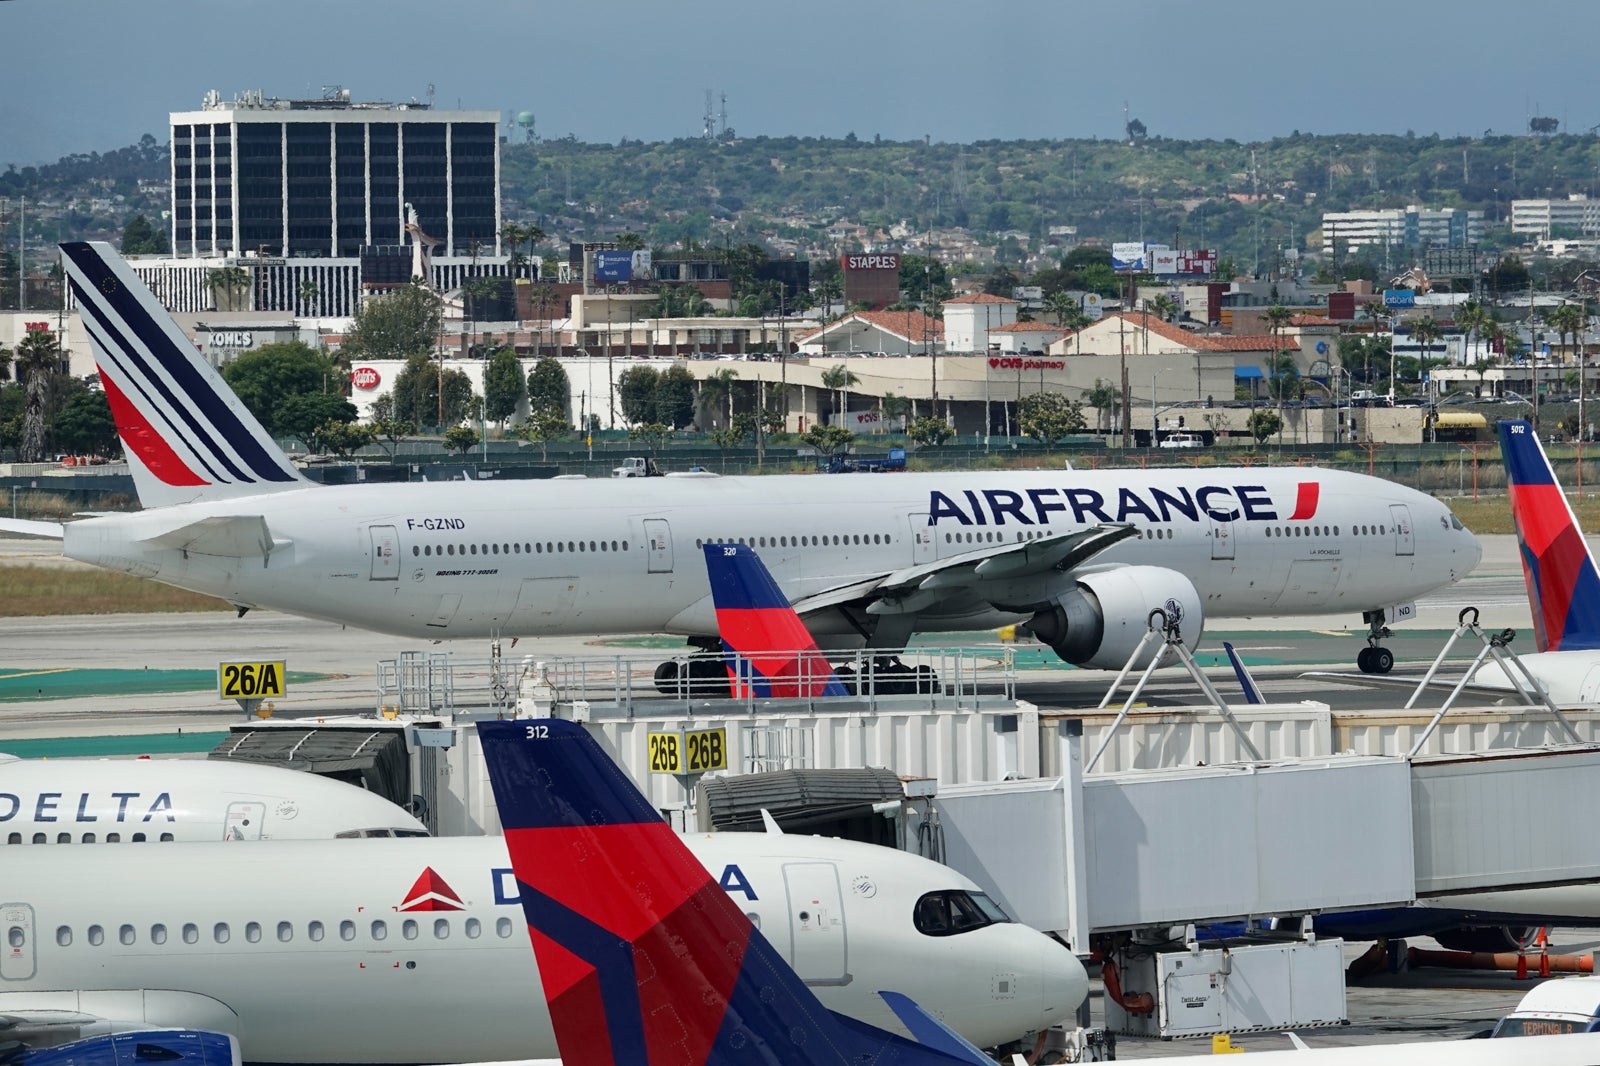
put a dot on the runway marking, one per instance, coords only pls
(38, 673)
(1334, 632)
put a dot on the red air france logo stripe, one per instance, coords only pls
(1305, 504)
(431, 893)
(142, 439)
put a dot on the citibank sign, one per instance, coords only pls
(364, 377)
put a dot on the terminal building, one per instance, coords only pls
(310, 197)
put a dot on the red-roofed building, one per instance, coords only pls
(1024, 337)
(867, 332)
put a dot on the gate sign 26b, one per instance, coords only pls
(244, 681)
(693, 751)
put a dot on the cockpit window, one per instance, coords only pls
(1455, 523)
(949, 913)
(410, 832)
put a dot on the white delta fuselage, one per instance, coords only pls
(133, 801)
(524, 558)
(416, 951)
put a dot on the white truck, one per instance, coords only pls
(1566, 1005)
(636, 466)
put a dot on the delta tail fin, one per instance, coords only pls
(1563, 583)
(1252, 693)
(769, 650)
(186, 435)
(643, 957)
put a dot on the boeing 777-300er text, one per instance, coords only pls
(109, 801)
(1080, 557)
(414, 951)
(643, 957)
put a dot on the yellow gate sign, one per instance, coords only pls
(250, 681)
(692, 751)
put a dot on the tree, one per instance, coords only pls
(84, 426)
(839, 379)
(302, 415)
(141, 238)
(651, 433)
(1426, 331)
(732, 436)
(308, 296)
(674, 397)
(1263, 424)
(1163, 307)
(630, 241)
(392, 430)
(714, 405)
(1544, 125)
(502, 386)
(461, 439)
(228, 286)
(397, 325)
(543, 426)
(269, 376)
(479, 293)
(417, 396)
(38, 360)
(829, 440)
(1061, 303)
(340, 438)
(1049, 416)
(548, 388)
(929, 432)
(636, 393)
(1102, 397)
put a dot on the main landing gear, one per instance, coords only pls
(1375, 659)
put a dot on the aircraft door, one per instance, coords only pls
(924, 548)
(244, 821)
(1221, 539)
(816, 923)
(1403, 544)
(658, 542)
(16, 953)
(385, 553)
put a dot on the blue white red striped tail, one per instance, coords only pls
(643, 957)
(186, 435)
(1563, 584)
(769, 650)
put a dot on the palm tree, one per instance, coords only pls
(1285, 383)
(5, 362)
(229, 281)
(1103, 397)
(716, 393)
(829, 289)
(1426, 331)
(1060, 304)
(513, 233)
(1077, 321)
(891, 407)
(308, 294)
(38, 359)
(1163, 307)
(839, 379)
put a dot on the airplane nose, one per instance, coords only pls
(1062, 980)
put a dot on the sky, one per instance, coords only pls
(92, 75)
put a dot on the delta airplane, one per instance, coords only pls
(643, 957)
(413, 951)
(109, 801)
(1081, 557)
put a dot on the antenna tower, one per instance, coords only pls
(724, 114)
(708, 130)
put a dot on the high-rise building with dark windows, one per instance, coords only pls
(299, 191)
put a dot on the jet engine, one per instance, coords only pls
(1101, 621)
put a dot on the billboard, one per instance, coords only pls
(1162, 260)
(877, 261)
(1126, 255)
(1198, 261)
(1165, 262)
(1393, 298)
(621, 265)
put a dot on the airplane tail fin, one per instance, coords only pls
(643, 957)
(1563, 583)
(769, 650)
(187, 436)
(1252, 694)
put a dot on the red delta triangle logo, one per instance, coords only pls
(431, 893)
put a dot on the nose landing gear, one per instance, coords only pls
(1375, 659)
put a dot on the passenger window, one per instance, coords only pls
(755, 919)
(166, 838)
(624, 545)
(285, 932)
(88, 838)
(380, 930)
(347, 930)
(125, 934)
(408, 929)
(158, 934)
(113, 838)
(14, 838)
(314, 931)
(97, 936)
(252, 932)
(191, 933)
(441, 929)
(415, 550)
(473, 928)
(138, 838)
(502, 927)
(64, 936)
(220, 932)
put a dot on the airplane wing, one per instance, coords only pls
(1403, 681)
(228, 536)
(923, 586)
(30, 529)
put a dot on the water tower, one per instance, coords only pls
(525, 120)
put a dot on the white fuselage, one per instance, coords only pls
(1570, 677)
(326, 952)
(106, 801)
(522, 558)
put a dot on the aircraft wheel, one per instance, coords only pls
(667, 678)
(1495, 938)
(1382, 660)
(1364, 660)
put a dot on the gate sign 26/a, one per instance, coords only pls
(693, 751)
(250, 681)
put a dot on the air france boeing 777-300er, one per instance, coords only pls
(1080, 557)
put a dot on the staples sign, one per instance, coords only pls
(364, 377)
(886, 261)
